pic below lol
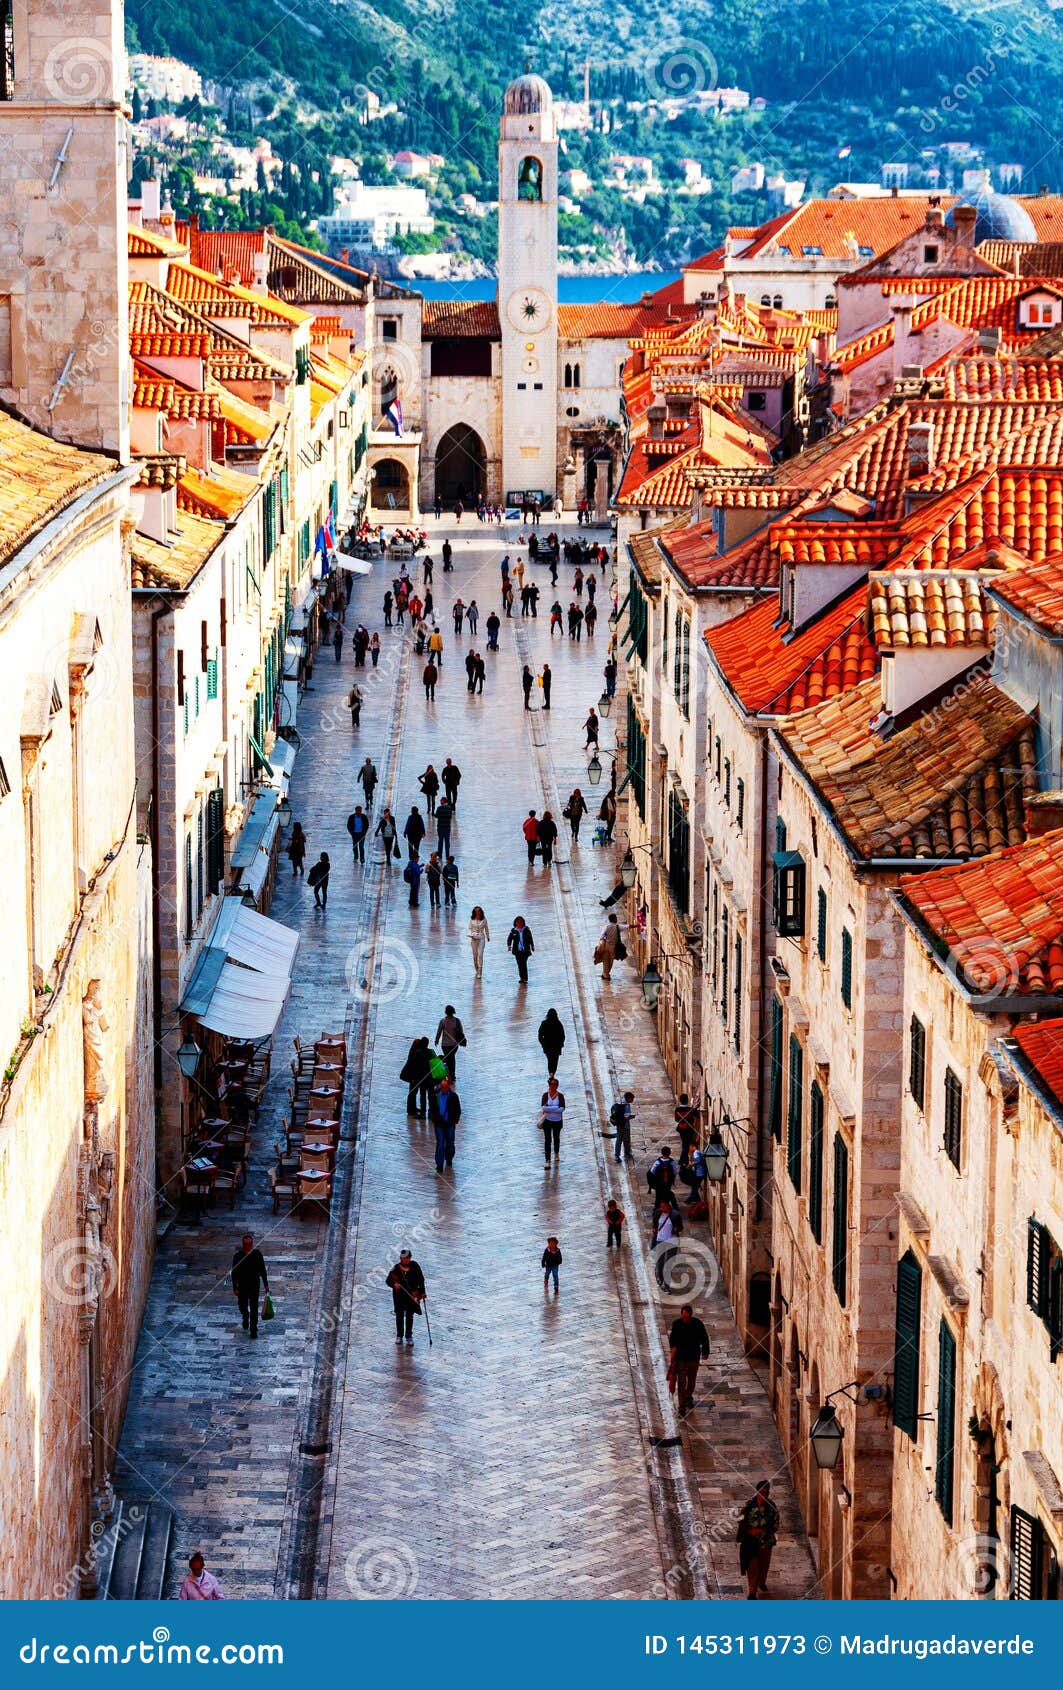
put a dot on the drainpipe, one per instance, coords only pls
(758, 1113)
(153, 830)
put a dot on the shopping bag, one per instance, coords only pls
(268, 1311)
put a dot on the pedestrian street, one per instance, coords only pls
(527, 1452)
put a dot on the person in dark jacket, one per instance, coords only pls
(574, 811)
(450, 775)
(550, 1262)
(758, 1531)
(493, 625)
(297, 848)
(552, 1040)
(417, 1072)
(414, 831)
(521, 943)
(249, 1277)
(451, 879)
(527, 681)
(546, 837)
(429, 784)
(546, 681)
(411, 874)
(444, 817)
(358, 827)
(388, 834)
(433, 874)
(446, 1113)
(407, 1287)
(688, 1345)
(318, 879)
(430, 676)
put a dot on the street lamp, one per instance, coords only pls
(605, 703)
(188, 1058)
(827, 1434)
(715, 1154)
(594, 770)
(651, 985)
(628, 871)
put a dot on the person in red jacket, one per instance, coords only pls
(531, 835)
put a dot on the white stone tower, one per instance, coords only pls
(527, 286)
(64, 312)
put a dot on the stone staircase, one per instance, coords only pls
(134, 1551)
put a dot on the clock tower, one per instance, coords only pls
(527, 287)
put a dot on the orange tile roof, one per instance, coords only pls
(1033, 379)
(1041, 1044)
(1022, 507)
(170, 343)
(221, 494)
(245, 423)
(1035, 589)
(694, 551)
(191, 286)
(771, 678)
(663, 488)
(450, 318)
(906, 611)
(827, 224)
(943, 786)
(607, 320)
(1047, 213)
(863, 543)
(143, 244)
(155, 565)
(999, 920)
(39, 477)
(214, 249)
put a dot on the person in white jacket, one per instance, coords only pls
(479, 934)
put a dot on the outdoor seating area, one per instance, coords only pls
(219, 1144)
(305, 1165)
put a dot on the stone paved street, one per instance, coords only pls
(514, 1456)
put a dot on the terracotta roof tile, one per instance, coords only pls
(1041, 1043)
(38, 477)
(1035, 589)
(608, 320)
(906, 611)
(944, 786)
(156, 565)
(829, 224)
(863, 543)
(221, 494)
(455, 318)
(999, 920)
(772, 678)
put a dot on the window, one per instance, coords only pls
(725, 952)
(636, 757)
(756, 401)
(212, 676)
(737, 1029)
(945, 1460)
(793, 1114)
(847, 968)
(821, 924)
(638, 621)
(727, 781)
(1034, 1567)
(188, 886)
(906, 1345)
(765, 299)
(788, 893)
(867, 252)
(715, 941)
(678, 853)
(831, 302)
(815, 1160)
(572, 410)
(572, 375)
(930, 255)
(953, 1118)
(775, 1072)
(537, 386)
(389, 387)
(215, 839)
(777, 302)
(200, 865)
(522, 387)
(1044, 1282)
(740, 804)
(7, 51)
(389, 328)
(530, 179)
(302, 365)
(719, 758)
(839, 1252)
(812, 251)
(917, 1061)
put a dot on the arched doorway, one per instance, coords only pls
(391, 485)
(461, 466)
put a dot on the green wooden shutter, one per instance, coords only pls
(775, 1071)
(815, 1161)
(1027, 1556)
(793, 1113)
(945, 1460)
(906, 1345)
(1036, 1257)
(917, 1061)
(840, 1228)
(215, 838)
(1055, 1304)
(738, 996)
(953, 1118)
(740, 804)
(821, 925)
(847, 968)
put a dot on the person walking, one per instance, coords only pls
(374, 648)
(358, 827)
(688, 1347)
(337, 641)
(577, 582)
(592, 586)
(446, 1113)
(448, 557)
(557, 619)
(590, 617)
(552, 1117)
(666, 1229)
(470, 670)
(451, 778)
(198, 1585)
(433, 874)
(479, 674)
(610, 947)
(414, 831)
(411, 874)
(428, 566)
(553, 569)
(574, 812)
(355, 700)
(417, 1073)
(546, 681)
(479, 937)
(661, 1179)
(249, 1280)
(458, 613)
(607, 814)
(610, 677)
(530, 830)
(297, 849)
(614, 1223)
(388, 834)
(527, 681)
(430, 675)
(687, 1116)
(318, 879)
(429, 784)
(521, 944)
(493, 626)
(451, 879)
(550, 1262)
(620, 1116)
(757, 1535)
(367, 779)
(590, 728)
(552, 1039)
(444, 817)
(435, 647)
(361, 645)
(407, 1287)
(472, 616)
(450, 1037)
(547, 837)
(427, 605)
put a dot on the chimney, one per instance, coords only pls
(920, 449)
(1044, 813)
(902, 309)
(989, 340)
(964, 218)
(935, 218)
(150, 199)
(345, 255)
(655, 418)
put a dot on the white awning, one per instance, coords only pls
(354, 565)
(281, 761)
(246, 1004)
(253, 877)
(260, 943)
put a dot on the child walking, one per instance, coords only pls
(552, 1259)
(614, 1220)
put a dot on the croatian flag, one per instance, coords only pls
(843, 152)
(325, 544)
(393, 415)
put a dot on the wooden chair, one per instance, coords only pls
(287, 1160)
(283, 1185)
(315, 1189)
(315, 1162)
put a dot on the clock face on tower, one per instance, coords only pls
(528, 310)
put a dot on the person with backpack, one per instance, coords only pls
(661, 1177)
(620, 1121)
(521, 944)
(552, 1039)
(358, 827)
(318, 879)
(552, 1117)
(411, 874)
(446, 1113)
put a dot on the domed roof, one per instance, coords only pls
(526, 95)
(1000, 218)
